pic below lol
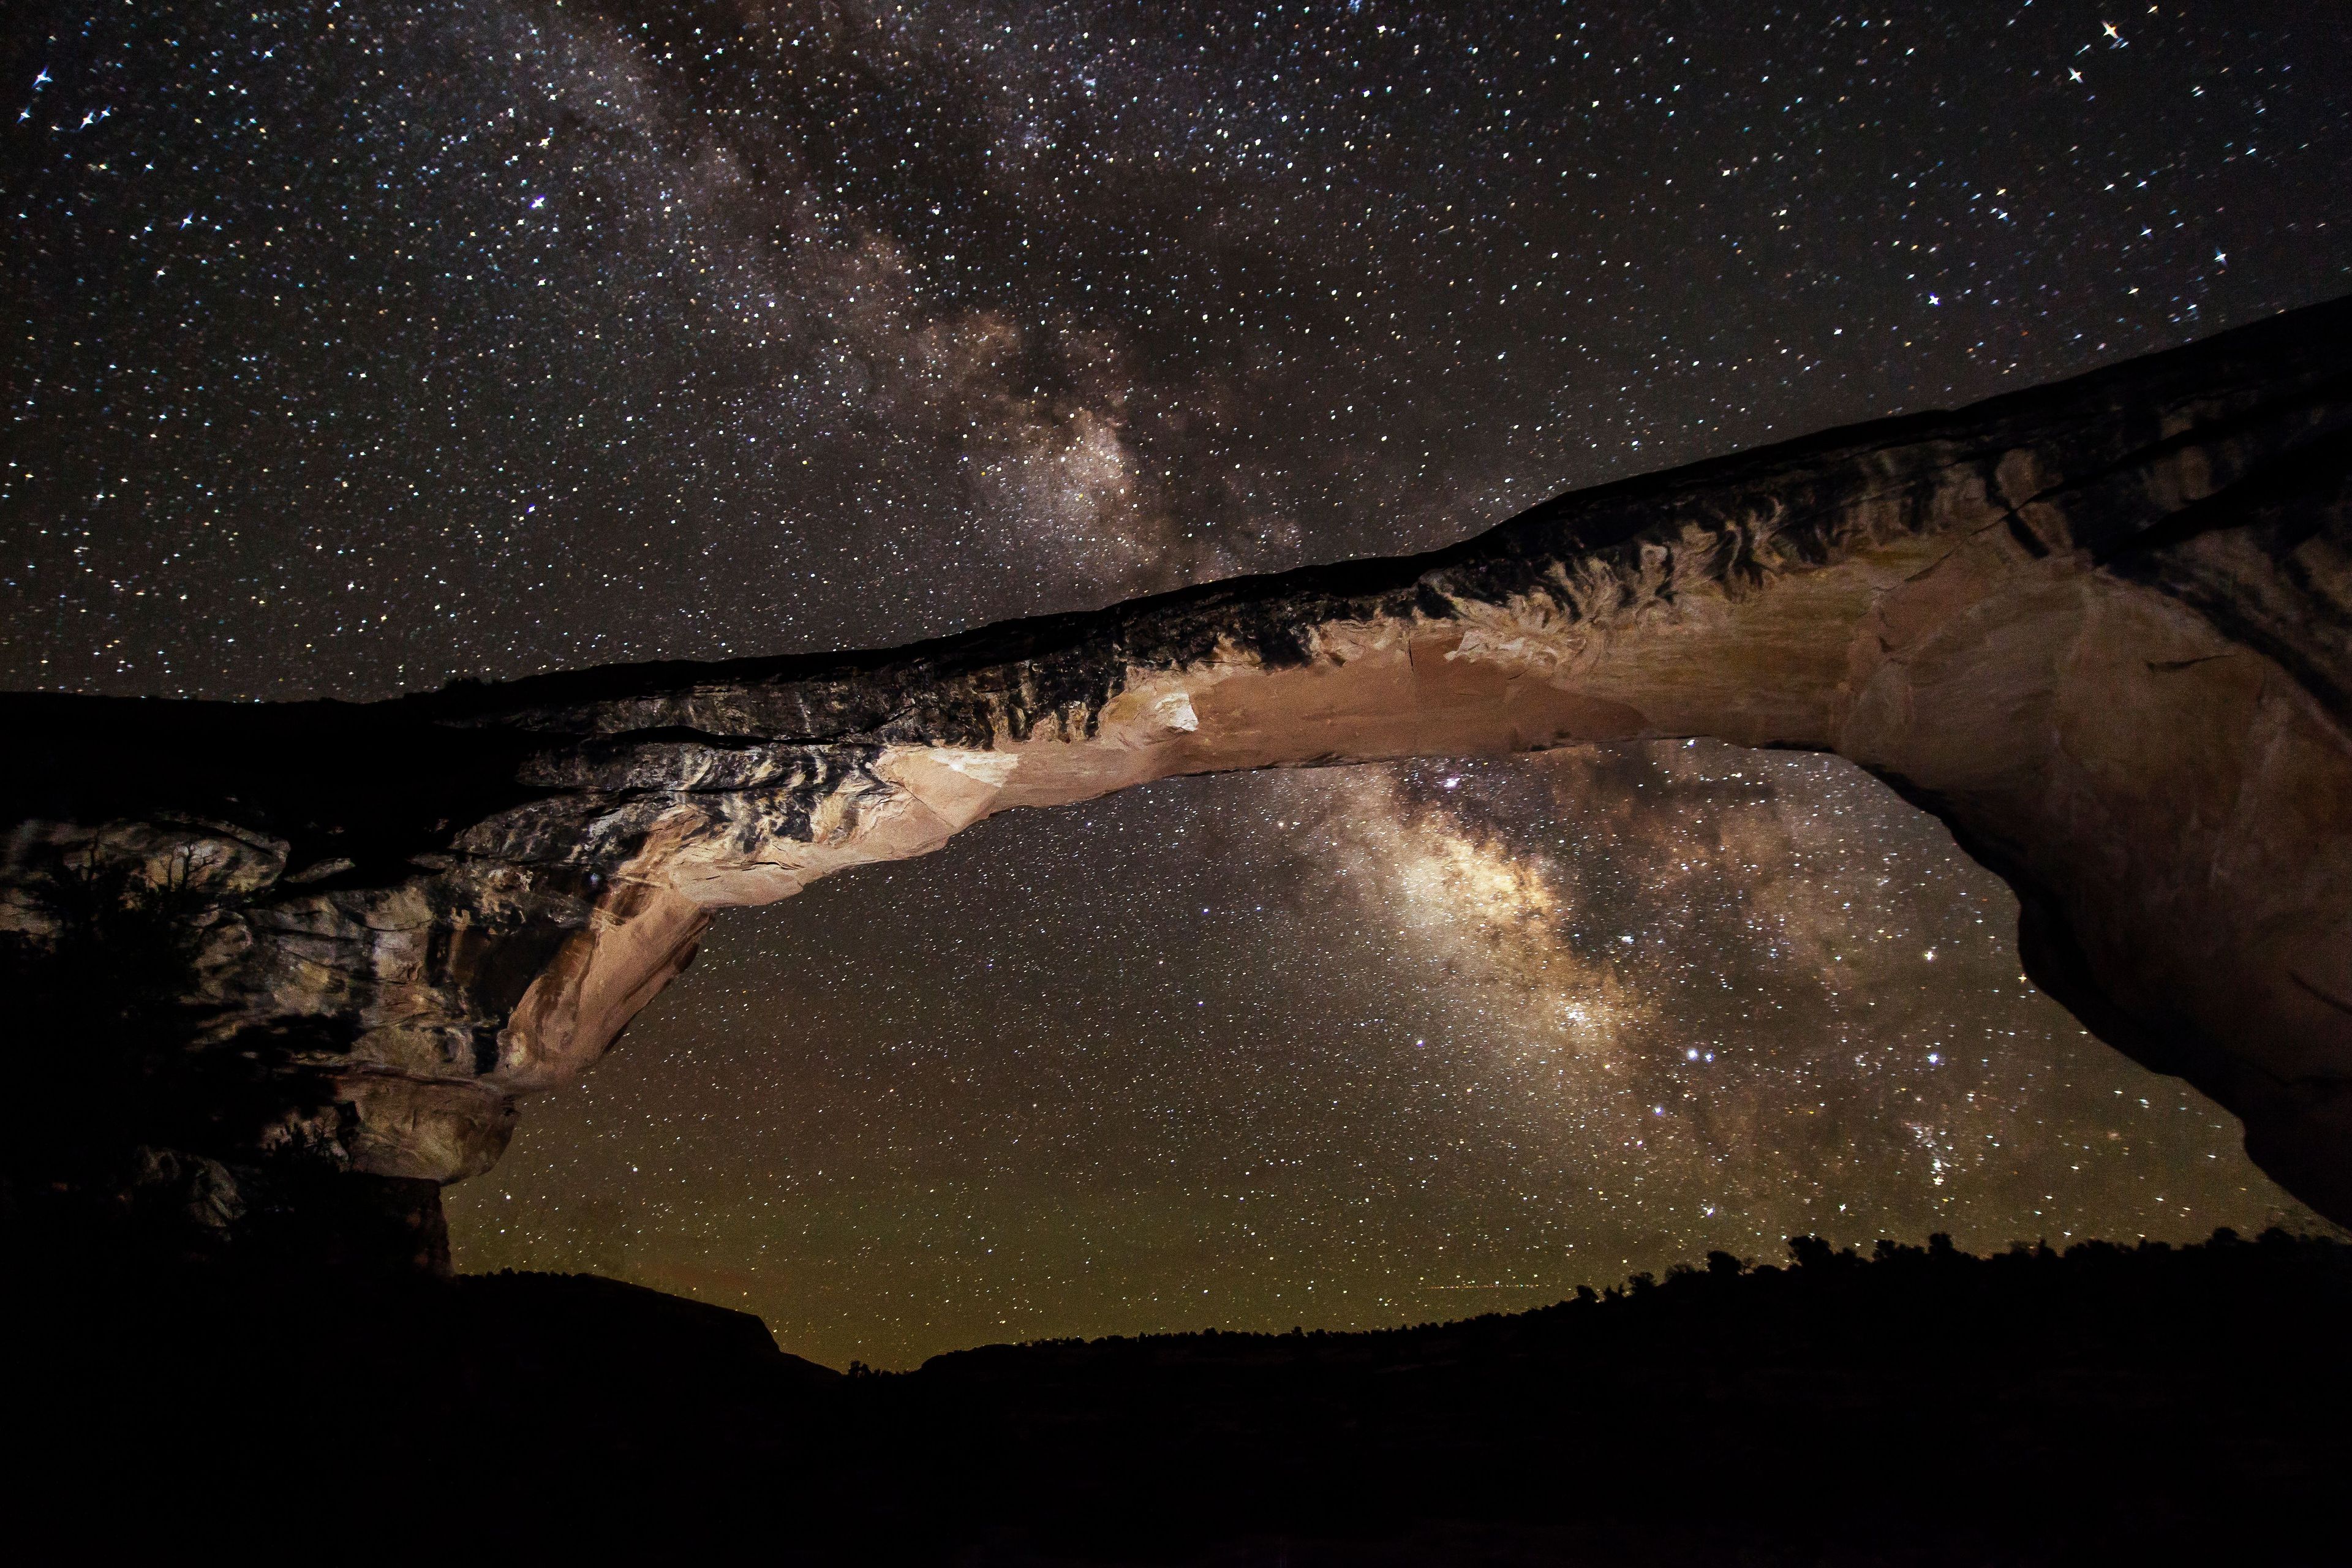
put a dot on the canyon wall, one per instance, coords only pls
(2103, 629)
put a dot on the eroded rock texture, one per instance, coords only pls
(2103, 629)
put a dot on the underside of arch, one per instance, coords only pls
(2103, 629)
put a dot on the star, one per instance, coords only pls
(847, 346)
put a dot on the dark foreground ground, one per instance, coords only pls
(2109, 1404)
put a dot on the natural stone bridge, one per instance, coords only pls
(2103, 629)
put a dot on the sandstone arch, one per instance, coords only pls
(2103, 629)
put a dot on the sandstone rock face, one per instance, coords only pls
(2102, 629)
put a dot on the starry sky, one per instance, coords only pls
(359, 348)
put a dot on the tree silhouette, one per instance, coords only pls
(103, 1019)
(113, 1104)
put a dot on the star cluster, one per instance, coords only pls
(358, 348)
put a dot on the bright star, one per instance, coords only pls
(2072, 75)
(2110, 27)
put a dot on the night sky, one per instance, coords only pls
(359, 348)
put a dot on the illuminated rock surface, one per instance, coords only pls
(2102, 630)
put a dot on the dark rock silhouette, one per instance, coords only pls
(2111, 1404)
(2103, 629)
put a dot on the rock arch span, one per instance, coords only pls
(2102, 629)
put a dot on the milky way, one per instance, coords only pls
(361, 348)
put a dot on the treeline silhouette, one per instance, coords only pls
(2031, 1405)
(2095, 1297)
(1916, 1405)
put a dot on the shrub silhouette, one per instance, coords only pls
(97, 1061)
(117, 1109)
